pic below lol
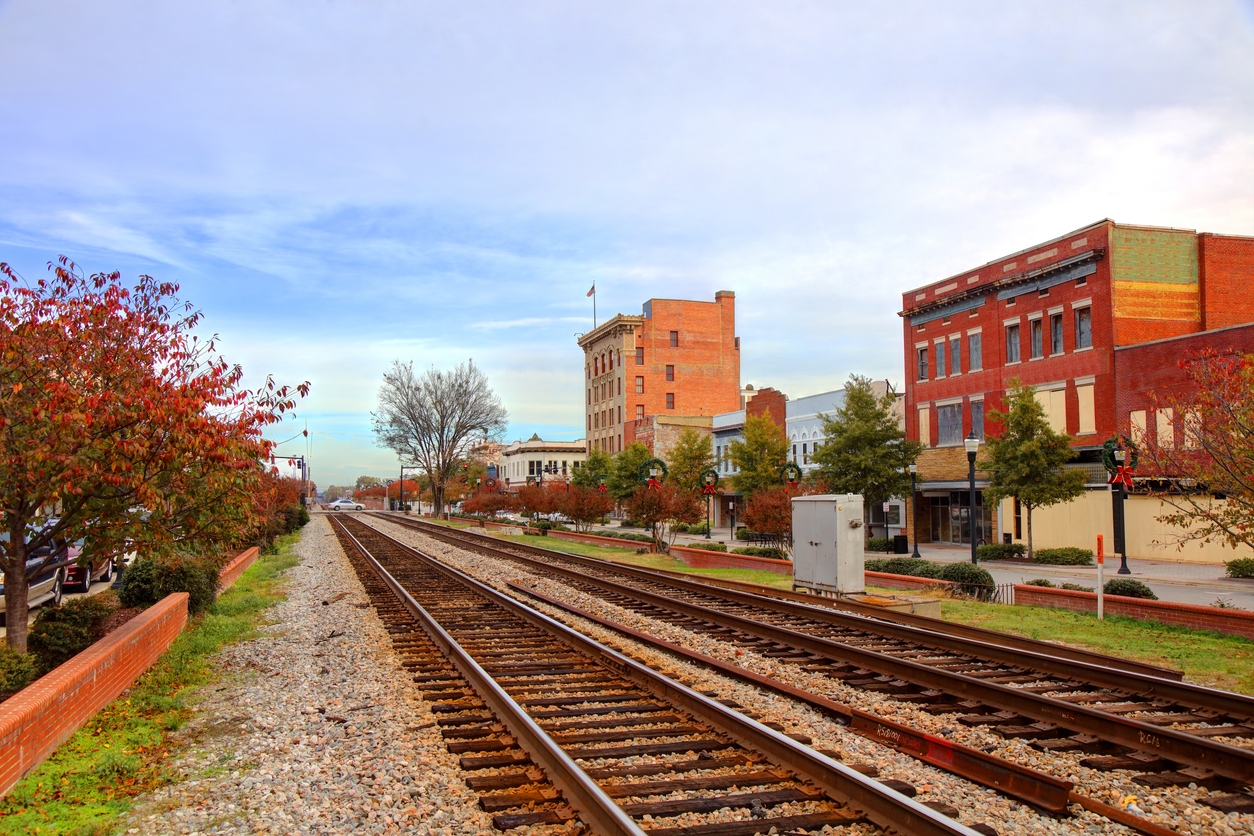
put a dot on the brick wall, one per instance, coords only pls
(771, 403)
(39, 718)
(903, 581)
(702, 559)
(1236, 622)
(238, 566)
(1225, 268)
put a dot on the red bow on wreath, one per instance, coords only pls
(709, 489)
(601, 488)
(1122, 474)
(654, 485)
(792, 484)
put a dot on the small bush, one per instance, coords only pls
(1129, 589)
(17, 670)
(1040, 582)
(679, 528)
(698, 528)
(880, 544)
(709, 547)
(759, 551)
(631, 524)
(914, 567)
(149, 579)
(1000, 551)
(1067, 556)
(742, 534)
(61, 633)
(1075, 587)
(1242, 567)
(294, 517)
(972, 579)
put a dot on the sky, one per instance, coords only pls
(338, 184)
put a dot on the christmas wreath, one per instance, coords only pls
(1120, 472)
(709, 481)
(790, 473)
(644, 473)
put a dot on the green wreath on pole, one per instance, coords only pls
(647, 465)
(1130, 453)
(790, 473)
(709, 480)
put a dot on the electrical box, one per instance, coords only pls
(828, 543)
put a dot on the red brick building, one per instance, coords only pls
(678, 358)
(1056, 316)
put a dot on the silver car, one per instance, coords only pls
(345, 505)
(43, 584)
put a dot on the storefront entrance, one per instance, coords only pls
(951, 518)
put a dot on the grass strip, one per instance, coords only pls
(124, 750)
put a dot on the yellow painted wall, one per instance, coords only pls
(1079, 522)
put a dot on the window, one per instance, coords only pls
(674, 339)
(639, 411)
(1038, 349)
(940, 359)
(639, 356)
(977, 419)
(1137, 419)
(794, 453)
(1012, 343)
(955, 356)
(589, 422)
(639, 385)
(589, 397)
(1055, 333)
(611, 359)
(1084, 398)
(1083, 328)
(925, 426)
(1054, 404)
(670, 372)
(596, 365)
(670, 400)
(975, 357)
(922, 364)
(620, 386)
(1166, 430)
(949, 423)
(620, 415)
(1192, 429)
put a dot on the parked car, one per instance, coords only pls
(83, 575)
(345, 505)
(43, 585)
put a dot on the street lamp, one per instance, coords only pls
(914, 509)
(709, 479)
(1117, 510)
(973, 445)
(386, 491)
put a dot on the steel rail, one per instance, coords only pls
(1148, 686)
(883, 805)
(595, 808)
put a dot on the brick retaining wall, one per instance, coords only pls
(703, 559)
(1236, 622)
(239, 564)
(39, 718)
(904, 581)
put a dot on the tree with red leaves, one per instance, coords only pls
(657, 505)
(770, 511)
(584, 506)
(537, 499)
(1204, 467)
(138, 434)
(489, 503)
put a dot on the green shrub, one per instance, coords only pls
(631, 524)
(1242, 567)
(1066, 556)
(709, 547)
(698, 528)
(17, 670)
(60, 633)
(971, 579)
(294, 517)
(759, 551)
(1075, 587)
(742, 534)
(149, 579)
(1040, 582)
(1000, 551)
(914, 567)
(1129, 589)
(679, 528)
(880, 544)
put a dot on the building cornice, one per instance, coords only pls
(612, 327)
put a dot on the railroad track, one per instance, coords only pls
(558, 729)
(1169, 732)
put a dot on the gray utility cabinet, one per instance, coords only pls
(829, 544)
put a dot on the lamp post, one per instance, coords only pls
(914, 509)
(1116, 498)
(973, 445)
(709, 478)
(386, 491)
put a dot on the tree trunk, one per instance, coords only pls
(16, 612)
(1028, 508)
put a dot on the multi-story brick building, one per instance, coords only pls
(1057, 316)
(678, 358)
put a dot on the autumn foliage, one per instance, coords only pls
(666, 503)
(116, 416)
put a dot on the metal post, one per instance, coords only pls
(914, 509)
(972, 444)
(707, 515)
(1117, 512)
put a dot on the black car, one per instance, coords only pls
(44, 584)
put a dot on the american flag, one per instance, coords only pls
(593, 290)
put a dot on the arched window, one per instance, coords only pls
(611, 359)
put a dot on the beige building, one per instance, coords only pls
(537, 460)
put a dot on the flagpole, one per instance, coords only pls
(594, 306)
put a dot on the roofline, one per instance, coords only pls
(1206, 333)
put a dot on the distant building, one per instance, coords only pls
(678, 358)
(525, 462)
(1094, 321)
